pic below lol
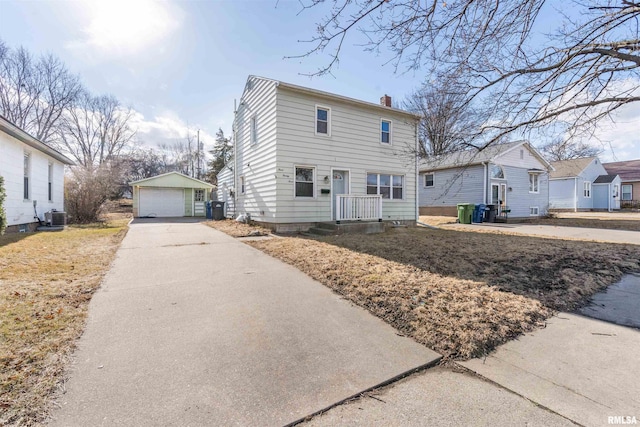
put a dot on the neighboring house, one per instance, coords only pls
(512, 176)
(629, 172)
(170, 195)
(225, 190)
(304, 157)
(33, 177)
(583, 184)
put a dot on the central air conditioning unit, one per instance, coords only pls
(55, 218)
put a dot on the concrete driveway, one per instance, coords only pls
(559, 232)
(192, 327)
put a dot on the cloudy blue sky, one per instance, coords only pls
(181, 64)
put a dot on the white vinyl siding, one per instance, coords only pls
(453, 186)
(354, 145)
(254, 130)
(19, 210)
(256, 162)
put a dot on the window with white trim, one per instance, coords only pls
(587, 189)
(304, 181)
(198, 195)
(534, 183)
(27, 176)
(388, 186)
(385, 131)
(242, 185)
(253, 129)
(534, 211)
(429, 180)
(497, 172)
(323, 121)
(50, 182)
(627, 192)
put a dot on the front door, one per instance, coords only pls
(499, 196)
(339, 185)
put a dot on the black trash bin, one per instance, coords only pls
(209, 209)
(491, 212)
(218, 210)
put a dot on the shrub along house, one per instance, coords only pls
(33, 177)
(303, 157)
(512, 176)
(583, 184)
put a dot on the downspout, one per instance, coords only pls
(484, 183)
(235, 159)
(417, 176)
(575, 194)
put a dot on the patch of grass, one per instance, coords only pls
(236, 229)
(46, 282)
(460, 293)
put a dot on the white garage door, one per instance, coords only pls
(161, 202)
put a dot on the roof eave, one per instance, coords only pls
(13, 130)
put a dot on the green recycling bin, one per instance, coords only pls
(465, 212)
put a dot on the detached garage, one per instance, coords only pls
(170, 195)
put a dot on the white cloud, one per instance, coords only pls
(166, 128)
(125, 27)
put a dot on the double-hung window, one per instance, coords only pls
(50, 182)
(27, 176)
(429, 180)
(304, 181)
(388, 186)
(627, 192)
(534, 183)
(385, 131)
(323, 121)
(587, 190)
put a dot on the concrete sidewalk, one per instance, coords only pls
(583, 369)
(580, 233)
(192, 327)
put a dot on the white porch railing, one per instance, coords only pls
(364, 208)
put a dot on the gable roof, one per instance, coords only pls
(570, 168)
(628, 170)
(334, 96)
(172, 180)
(475, 157)
(605, 179)
(10, 129)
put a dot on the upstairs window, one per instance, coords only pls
(587, 190)
(304, 182)
(497, 172)
(388, 186)
(385, 132)
(254, 130)
(429, 180)
(323, 118)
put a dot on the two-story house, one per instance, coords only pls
(303, 157)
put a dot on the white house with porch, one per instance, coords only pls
(303, 157)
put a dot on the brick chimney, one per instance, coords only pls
(385, 101)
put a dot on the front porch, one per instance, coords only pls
(350, 207)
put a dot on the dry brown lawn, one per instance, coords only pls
(235, 228)
(46, 282)
(460, 293)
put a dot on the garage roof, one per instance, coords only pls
(171, 180)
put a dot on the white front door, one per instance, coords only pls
(499, 196)
(339, 185)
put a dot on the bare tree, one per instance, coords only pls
(447, 122)
(95, 129)
(34, 93)
(578, 74)
(566, 150)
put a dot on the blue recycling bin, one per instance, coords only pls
(478, 213)
(209, 210)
